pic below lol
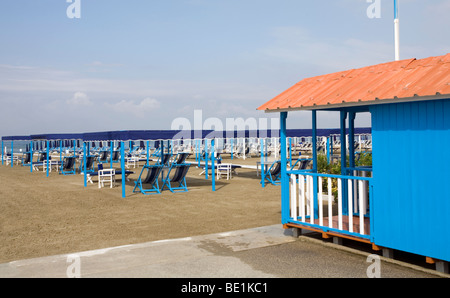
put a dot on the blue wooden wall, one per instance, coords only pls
(411, 177)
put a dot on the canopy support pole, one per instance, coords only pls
(122, 164)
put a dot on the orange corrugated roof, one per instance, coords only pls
(404, 80)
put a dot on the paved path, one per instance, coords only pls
(264, 252)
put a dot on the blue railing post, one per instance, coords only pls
(343, 117)
(290, 152)
(284, 176)
(351, 139)
(314, 147)
(2, 152)
(328, 150)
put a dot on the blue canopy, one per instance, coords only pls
(16, 138)
(61, 136)
(133, 135)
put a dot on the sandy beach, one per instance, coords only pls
(42, 216)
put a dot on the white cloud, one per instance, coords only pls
(139, 109)
(79, 99)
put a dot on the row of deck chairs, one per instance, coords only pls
(174, 179)
(67, 166)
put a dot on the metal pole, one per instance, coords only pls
(31, 156)
(12, 153)
(262, 162)
(206, 158)
(396, 31)
(284, 176)
(315, 179)
(213, 165)
(84, 163)
(60, 155)
(122, 163)
(148, 148)
(48, 156)
(111, 151)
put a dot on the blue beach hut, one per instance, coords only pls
(399, 203)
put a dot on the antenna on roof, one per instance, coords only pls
(396, 31)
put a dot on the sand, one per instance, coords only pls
(43, 216)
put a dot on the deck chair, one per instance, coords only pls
(151, 178)
(181, 157)
(178, 177)
(103, 156)
(301, 164)
(68, 165)
(42, 156)
(165, 160)
(115, 156)
(89, 164)
(26, 159)
(273, 174)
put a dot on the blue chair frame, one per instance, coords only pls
(153, 172)
(179, 177)
(273, 174)
(68, 165)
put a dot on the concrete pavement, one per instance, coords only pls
(264, 252)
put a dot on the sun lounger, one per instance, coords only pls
(178, 177)
(115, 156)
(68, 165)
(89, 164)
(151, 179)
(103, 157)
(165, 160)
(26, 159)
(273, 174)
(181, 157)
(301, 164)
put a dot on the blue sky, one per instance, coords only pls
(141, 64)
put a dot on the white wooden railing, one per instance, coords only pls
(311, 202)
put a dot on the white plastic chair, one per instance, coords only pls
(106, 175)
(224, 169)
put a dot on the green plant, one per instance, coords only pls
(334, 168)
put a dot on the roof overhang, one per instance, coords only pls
(401, 81)
(362, 105)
